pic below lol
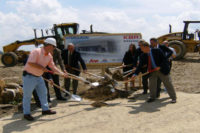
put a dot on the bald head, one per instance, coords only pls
(166, 43)
(70, 47)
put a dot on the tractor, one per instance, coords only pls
(186, 41)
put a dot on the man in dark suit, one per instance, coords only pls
(71, 59)
(143, 69)
(158, 67)
(167, 52)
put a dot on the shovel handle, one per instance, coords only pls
(131, 72)
(122, 66)
(57, 86)
(69, 75)
(85, 72)
(140, 75)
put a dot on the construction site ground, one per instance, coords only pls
(125, 115)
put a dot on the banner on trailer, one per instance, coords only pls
(109, 48)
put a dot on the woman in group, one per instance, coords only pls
(128, 62)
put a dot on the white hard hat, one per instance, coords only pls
(50, 41)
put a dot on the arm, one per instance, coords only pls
(168, 50)
(136, 57)
(53, 67)
(38, 66)
(82, 62)
(142, 62)
(60, 61)
(125, 58)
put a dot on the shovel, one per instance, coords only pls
(94, 84)
(119, 67)
(73, 97)
(129, 72)
(97, 76)
(108, 69)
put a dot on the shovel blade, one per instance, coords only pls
(75, 98)
(95, 84)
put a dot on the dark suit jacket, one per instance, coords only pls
(127, 60)
(138, 53)
(167, 52)
(58, 59)
(159, 58)
(76, 58)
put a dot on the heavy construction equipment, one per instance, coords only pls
(186, 41)
(95, 47)
(12, 55)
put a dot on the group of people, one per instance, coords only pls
(155, 60)
(40, 64)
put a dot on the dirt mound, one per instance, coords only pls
(105, 91)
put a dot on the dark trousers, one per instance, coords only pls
(57, 90)
(67, 81)
(159, 81)
(158, 87)
(74, 84)
(145, 83)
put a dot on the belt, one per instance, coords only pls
(26, 73)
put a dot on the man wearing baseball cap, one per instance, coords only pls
(36, 65)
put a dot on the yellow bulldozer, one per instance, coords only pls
(186, 41)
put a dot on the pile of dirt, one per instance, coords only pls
(105, 91)
(117, 75)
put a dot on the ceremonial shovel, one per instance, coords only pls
(94, 84)
(73, 97)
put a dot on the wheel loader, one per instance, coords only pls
(95, 47)
(186, 41)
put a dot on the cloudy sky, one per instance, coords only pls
(18, 18)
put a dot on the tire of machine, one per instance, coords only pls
(9, 59)
(179, 47)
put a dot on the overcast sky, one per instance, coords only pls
(18, 18)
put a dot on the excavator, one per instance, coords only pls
(186, 41)
(12, 55)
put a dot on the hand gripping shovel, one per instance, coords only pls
(143, 74)
(73, 97)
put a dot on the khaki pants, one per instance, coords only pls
(166, 79)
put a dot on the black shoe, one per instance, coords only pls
(158, 95)
(48, 112)
(173, 101)
(28, 117)
(150, 100)
(61, 99)
(144, 92)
